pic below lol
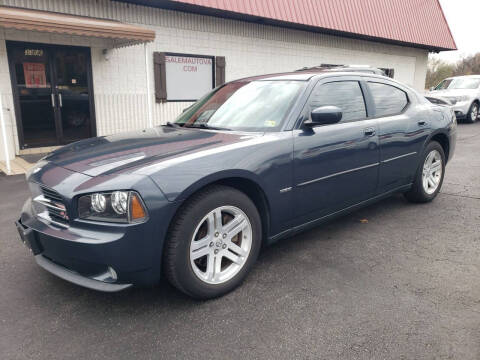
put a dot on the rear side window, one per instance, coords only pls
(388, 99)
(347, 95)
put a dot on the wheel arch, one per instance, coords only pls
(244, 181)
(443, 139)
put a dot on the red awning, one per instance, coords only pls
(44, 21)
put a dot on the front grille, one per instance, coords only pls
(51, 194)
(54, 204)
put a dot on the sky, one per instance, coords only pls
(463, 18)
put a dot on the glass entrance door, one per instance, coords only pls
(52, 90)
(71, 85)
(34, 95)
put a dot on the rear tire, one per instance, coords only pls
(429, 177)
(472, 114)
(213, 242)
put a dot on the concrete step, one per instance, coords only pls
(18, 166)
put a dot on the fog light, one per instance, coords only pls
(120, 202)
(98, 202)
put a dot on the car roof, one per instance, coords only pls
(343, 68)
(278, 76)
(289, 76)
(306, 75)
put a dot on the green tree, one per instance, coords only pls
(468, 66)
(437, 71)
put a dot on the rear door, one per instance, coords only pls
(403, 126)
(335, 165)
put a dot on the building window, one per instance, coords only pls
(388, 72)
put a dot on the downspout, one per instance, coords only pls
(4, 136)
(149, 95)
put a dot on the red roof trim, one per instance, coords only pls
(446, 22)
(417, 23)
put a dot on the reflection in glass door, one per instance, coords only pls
(33, 89)
(53, 97)
(73, 93)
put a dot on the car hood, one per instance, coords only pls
(133, 150)
(453, 92)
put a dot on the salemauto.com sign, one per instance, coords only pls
(188, 77)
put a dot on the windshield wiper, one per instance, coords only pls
(206, 126)
(170, 124)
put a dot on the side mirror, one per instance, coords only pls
(432, 88)
(324, 115)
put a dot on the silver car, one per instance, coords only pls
(464, 94)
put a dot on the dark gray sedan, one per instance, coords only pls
(253, 161)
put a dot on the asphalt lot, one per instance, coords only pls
(404, 285)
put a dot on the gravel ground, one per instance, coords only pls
(405, 284)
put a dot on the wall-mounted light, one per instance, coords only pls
(106, 54)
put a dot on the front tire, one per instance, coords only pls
(429, 177)
(472, 113)
(213, 242)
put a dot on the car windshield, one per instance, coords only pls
(260, 105)
(459, 83)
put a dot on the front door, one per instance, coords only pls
(336, 165)
(52, 90)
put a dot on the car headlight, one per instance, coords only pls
(461, 98)
(115, 206)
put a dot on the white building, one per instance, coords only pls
(72, 69)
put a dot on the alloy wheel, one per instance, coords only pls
(220, 245)
(432, 172)
(474, 113)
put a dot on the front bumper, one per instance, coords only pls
(98, 255)
(94, 283)
(461, 109)
(101, 282)
(87, 254)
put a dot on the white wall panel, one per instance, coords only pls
(250, 49)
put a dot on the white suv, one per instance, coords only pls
(464, 94)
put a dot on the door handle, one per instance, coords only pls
(60, 99)
(422, 123)
(52, 98)
(369, 132)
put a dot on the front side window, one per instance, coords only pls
(260, 105)
(388, 99)
(347, 95)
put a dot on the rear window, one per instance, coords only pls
(389, 100)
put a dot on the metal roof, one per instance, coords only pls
(418, 23)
